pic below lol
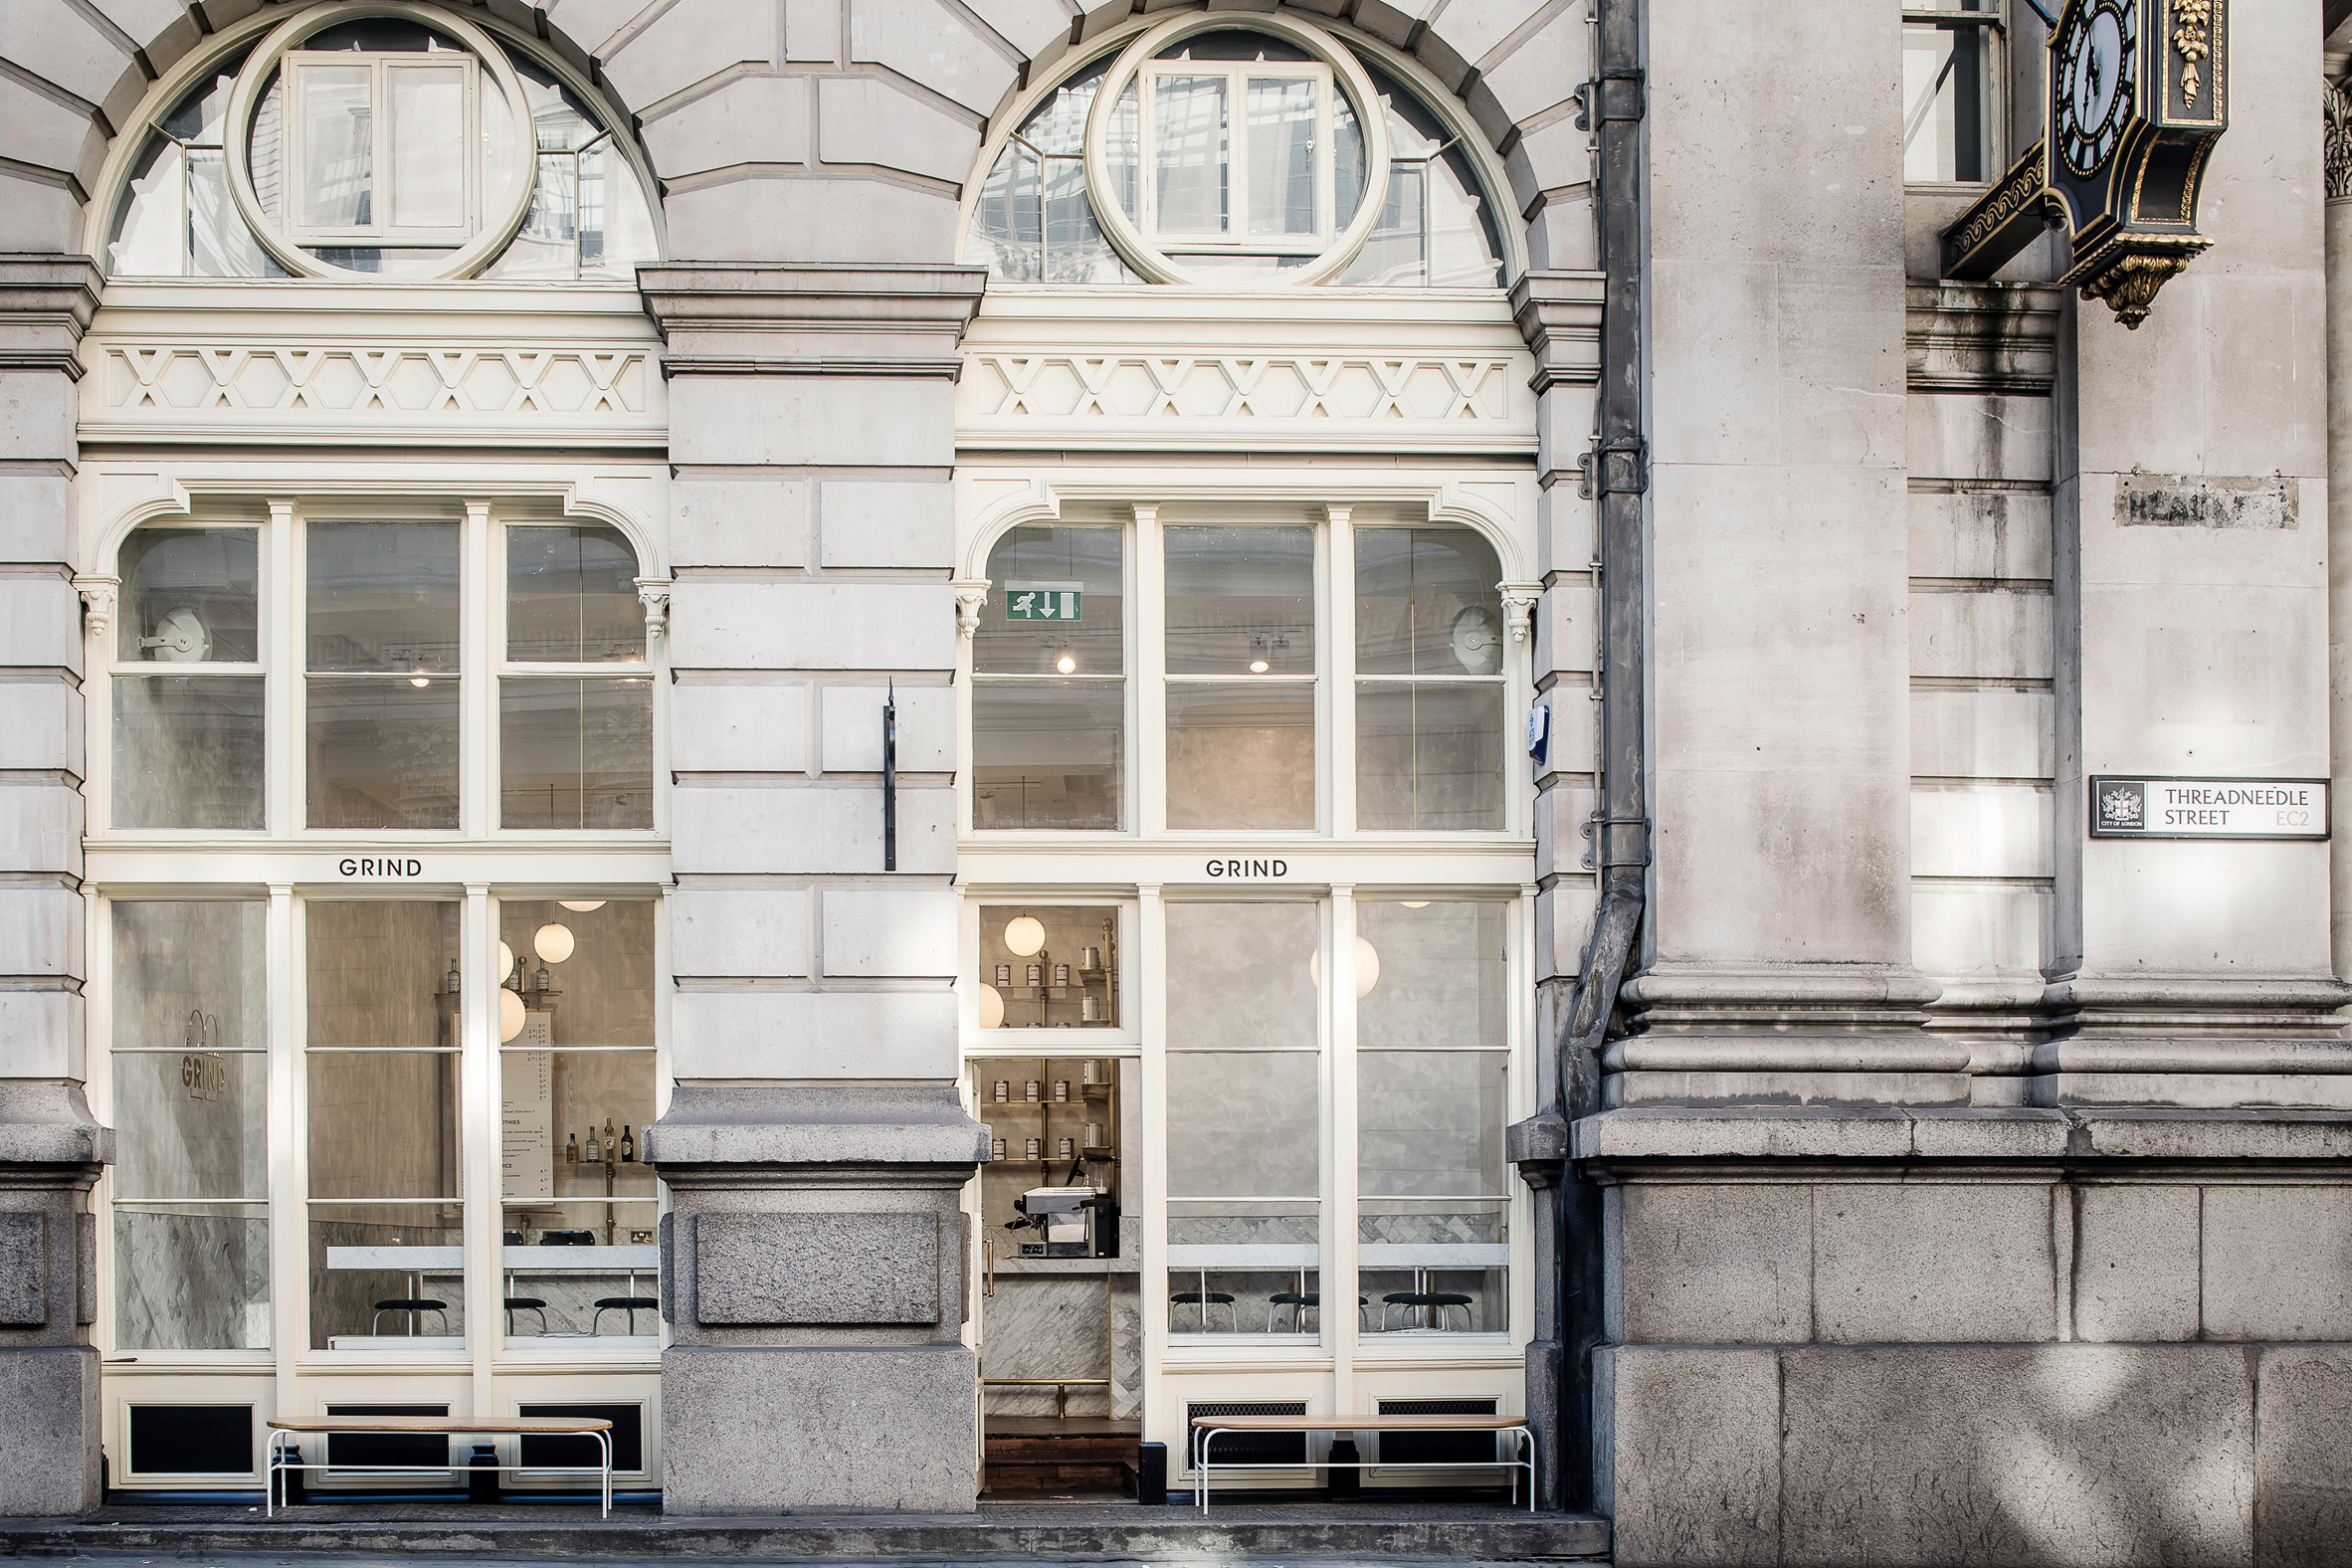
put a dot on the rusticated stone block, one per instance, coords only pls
(837, 1267)
(24, 1272)
(2304, 1458)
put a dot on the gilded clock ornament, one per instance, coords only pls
(2137, 93)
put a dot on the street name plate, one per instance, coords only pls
(2150, 807)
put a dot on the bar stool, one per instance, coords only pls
(412, 1305)
(1202, 1301)
(1434, 1303)
(631, 1304)
(525, 1303)
(1301, 1303)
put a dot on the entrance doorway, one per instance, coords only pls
(1060, 1321)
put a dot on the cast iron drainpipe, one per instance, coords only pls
(1615, 473)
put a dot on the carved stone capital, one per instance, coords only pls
(1519, 608)
(971, 594)
(654, 594)
(98, 595)
(2336, 141)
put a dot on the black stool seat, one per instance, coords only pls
(1196, 1298)
(1305, 1299)
(412, 1305)
(631, 1304)
(517, 1304)
(1426, 1299)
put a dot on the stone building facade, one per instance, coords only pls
(1449, 587)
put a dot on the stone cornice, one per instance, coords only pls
(812, 318)
(46, 304)
(1981, 337)
(1559, 314)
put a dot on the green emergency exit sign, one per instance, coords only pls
(1042, 602)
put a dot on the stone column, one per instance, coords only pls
(2191, 578)
(50, 1149)
(813, 1271)
(1779, 962)
(2336, 153)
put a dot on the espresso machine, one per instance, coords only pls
(1072, 1221)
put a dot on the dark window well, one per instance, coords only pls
(191, 1439)
(628, 1437)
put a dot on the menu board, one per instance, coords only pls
(526, 1115)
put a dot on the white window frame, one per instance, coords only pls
(1235, 236)
(1992, 25)
(1336, 678)
(381, 66)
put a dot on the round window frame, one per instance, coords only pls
(267, 58)
(1347, 71)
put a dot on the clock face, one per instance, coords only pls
(2098, 62)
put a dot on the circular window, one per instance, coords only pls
(1236, 158)
(364, 139)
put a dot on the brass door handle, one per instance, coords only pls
(987, 1265)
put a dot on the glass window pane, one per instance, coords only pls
(577, 1088)
(1241, 600)
(383, 596)
(571, 596)
(1349, 159)
(1427, 603)
(427, 142)
(1057, 603)
(1946, 98)
(1240, 976)
(1429, 1123)
(1048, 966)
(188, 751)
(1120, 155)
(1396, 254)
(1189, 165)
(219, 243)
(1048, 754)
(1242, 756)
(382, 753)
(1441, 975)
(1428, 757)
(1281, 157)
(1007, 223)
(190, 1097)
(337, 118)
(384, 1124)
(387, 1277)
(1244, 1169)
(575, 754)
(188, 596)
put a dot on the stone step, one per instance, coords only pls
(1449, 1532)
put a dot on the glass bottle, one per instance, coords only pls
(612, 1149)
(571, 1148)
(453, 977)
(628, 1145)
(594, 1153)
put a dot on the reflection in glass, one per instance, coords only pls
(1427, 603)
(336, 183)
(381, 1072)
(1189, 147)
(1242, 755)
(1244, 1172)
(1438, 227)
(426, 140)
(1048, 754)
(1033, 222)
(575, 754)
(577, 1088)
(382, 752)
(1428, 756)
(383, 596)
(1442, 976)
(188, 751)
(188, 596)
(1032, 635)
(1238, 976)
(1241, 600)
(1048, 966)
(190, 1097)
(571, 596)
(1282, 155)
(1946, 100)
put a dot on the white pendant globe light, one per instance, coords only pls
(510, 1015)
(1024, 935)
(583, 905)
(1367, 968)
(553, 942)
(505, 962)
(992, 1007)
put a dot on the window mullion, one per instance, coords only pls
(1341, 1141)
(1338, 657)
(1151, 660)
(482, 618)
(284, 599)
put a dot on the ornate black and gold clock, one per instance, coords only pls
(2138, 95)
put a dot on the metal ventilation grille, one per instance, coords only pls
(1437, 1448)
(1249, 1447)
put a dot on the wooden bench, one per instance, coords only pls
(1212, 1425)
(285, 1456)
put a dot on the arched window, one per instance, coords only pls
(1236, 158)
(363, 140)
(393, 727)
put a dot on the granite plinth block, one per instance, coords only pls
(841, 1268)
